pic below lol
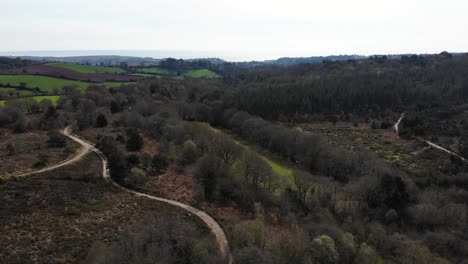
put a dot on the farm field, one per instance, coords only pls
(47, 84)
(53, 98)
(156, 70)
(6, 91)
(86, 68)
(202, 73)
(144, 75)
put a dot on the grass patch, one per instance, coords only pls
(203, 73)
(144, 75)
(53, 98)
(276, 165)
(86, 68)
(156, 70)
(113, 84)
(15, 92)
(48, 84)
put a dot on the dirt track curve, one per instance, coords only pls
(431, 144)
(209, 221)
(83, 151)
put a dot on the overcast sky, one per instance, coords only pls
(253, 28)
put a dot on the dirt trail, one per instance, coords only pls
(209, 221)
(86, 147)
(397, 124)
(431, 144)
(83, 151)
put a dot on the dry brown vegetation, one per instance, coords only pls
(410, 155)
(27, 146)
(56, 217)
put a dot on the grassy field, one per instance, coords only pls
(278, 166)
(14, 91)
(144, 75)
(112, 84)
(48, 84)
(85, 68)
(156, 70)
(204, 73)
(53, 98)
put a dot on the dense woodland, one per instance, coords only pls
(341, 205)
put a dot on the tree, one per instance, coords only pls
(189, 152)
(225, 148)
(56, 140)
(159, 163)
(115, 156)
(390, 192)
(303, 182)
(252, 168)
(136, 177)
(101, 120)
(208, 170)
(251, 255)
(249, 233)
(134, 140)
(323, 250)
(49, 119)
(367, 255)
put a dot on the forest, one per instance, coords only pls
(338, 205)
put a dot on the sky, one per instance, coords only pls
(236, 29)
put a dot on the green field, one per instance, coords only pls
(15, 92)
(53, 98)
(204, 73)
(48, 84)
(156, 70)
(86, 68)
(145, 75)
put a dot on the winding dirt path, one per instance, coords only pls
(83, 151)
(86, 147)
(397, 124)
(431, 144)
(208, 220)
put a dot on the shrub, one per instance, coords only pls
(159, 163)
(56, 140)
(134, 140)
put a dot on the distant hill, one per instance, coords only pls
(94, 60)
(289, 61)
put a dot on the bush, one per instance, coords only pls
(323, 250)
(159, 163)
(136, 177)
(208, 170)
(189, 152)
(134, 140)
(251, 255)
(56, 140)
(42, 160)
(101, 121)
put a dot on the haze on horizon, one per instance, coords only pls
(241, 29)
